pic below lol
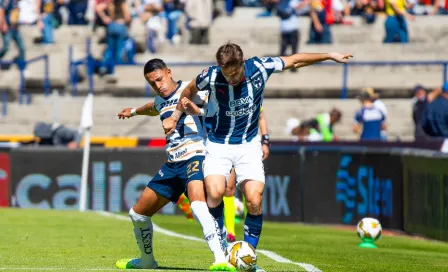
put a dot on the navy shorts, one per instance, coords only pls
(171, 181)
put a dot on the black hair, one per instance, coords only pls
(154, 64)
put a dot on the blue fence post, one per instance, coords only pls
(22, 86)
(4, 103)
(445, 70)
(47, 75)
(344, 81)
(90, 65)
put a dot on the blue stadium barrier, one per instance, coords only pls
(24, 97)
(88, 60)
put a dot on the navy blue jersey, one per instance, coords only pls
(371, 119)
(237, 108)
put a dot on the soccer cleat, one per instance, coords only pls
(231, 238)
(222, 267)
(134, 264)
(257, 269)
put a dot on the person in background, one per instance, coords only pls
(395, 24)
(319, 128)
(200, 19)
(435, 116)
(9, 29)
(440, 7)
(48, 134)
(77, 10)
(420, 102)
(117, 32)
(379, 104)
(320, 32)
(45, 10)
(288, 11)
(369, 119)
(173, 11)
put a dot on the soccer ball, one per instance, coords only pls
(242, 255)
(369, 229)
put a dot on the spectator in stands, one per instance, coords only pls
(77, 10)
(56, 135)
(117, 32)
(288, 11)
(199, 15)
(102, 17)
(395, 24)
(45, 18)
(440, 7)
(419, 103)
(150, 12)
(321, 18)
(369, 118)
(270, 7)
(365, 9)
(9, 29)
(173, 11)
(319, 128)
(379, 104)
(435, 117)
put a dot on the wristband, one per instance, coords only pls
(176, 115)
(134, 112)
(265, 140)
(203, 113)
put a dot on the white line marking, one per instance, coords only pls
(274, 256)
(267, 253)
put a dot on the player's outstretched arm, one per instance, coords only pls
(306, 59)
(169, 124)
(147, 109)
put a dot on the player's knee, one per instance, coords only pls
(215, 191)
(230, 191)
(253, 203)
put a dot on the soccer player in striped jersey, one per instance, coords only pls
(183, 171)
(237, 88)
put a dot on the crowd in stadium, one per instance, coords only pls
(161, 18)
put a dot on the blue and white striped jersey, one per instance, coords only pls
(237, 108)
(188, 140)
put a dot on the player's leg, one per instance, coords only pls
(196, 194)
(229, 207)
(250, 179)
(217, 167)
(158, 193)
(148, 204)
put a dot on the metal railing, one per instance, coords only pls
(88, 61)
(24, 96)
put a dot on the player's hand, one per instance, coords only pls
(265, 149)
(341, 58)
(126, 113)
(169, 125)
(190, 107)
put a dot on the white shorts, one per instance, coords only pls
(246, 158)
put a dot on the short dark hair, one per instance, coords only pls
(154, 64)
(229, 54)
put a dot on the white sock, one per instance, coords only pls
(143, 231)
(209, 228)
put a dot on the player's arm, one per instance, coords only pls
(306, 59)
(147, 109)
(357, 123)
(3, 25)
(169, 124)
(265, 141)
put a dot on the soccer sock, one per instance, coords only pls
(184, 204)
(229, 214)
(217, 214)
(143, 234)
(252, 228)
(209, 228)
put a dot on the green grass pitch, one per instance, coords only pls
(49, 240)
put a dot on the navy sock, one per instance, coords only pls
(252, 228)
(217, 214)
